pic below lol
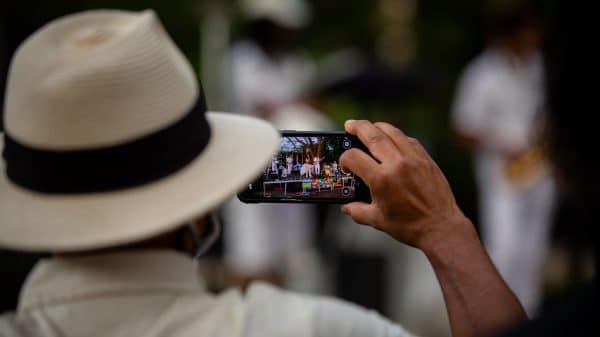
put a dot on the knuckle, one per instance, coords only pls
(431, 165)
(383, 125)
(421, 162)
(405, 166)
(375, 138)
(414, 141)
(399, 165)
(413, 164)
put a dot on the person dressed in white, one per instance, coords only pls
(308, 168)
(498, 113)
(334, 168)
(317, 165)
(260, 74)
(274, 168)
(303, 170)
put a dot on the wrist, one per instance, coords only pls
(449, 232)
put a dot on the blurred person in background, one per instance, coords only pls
(264, 72)
(572, 144)
(266, 77)
(498, 113)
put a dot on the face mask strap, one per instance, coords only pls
(204, 243)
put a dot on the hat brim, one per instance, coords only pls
(239, 149)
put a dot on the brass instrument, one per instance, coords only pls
(524, 168)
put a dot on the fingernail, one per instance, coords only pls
(344, 209)
(348, 122)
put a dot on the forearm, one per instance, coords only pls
(420, 210)
(477, 299)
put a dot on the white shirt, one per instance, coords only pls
(500, 101)
(156, 293)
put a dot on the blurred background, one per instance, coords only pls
(465, 78)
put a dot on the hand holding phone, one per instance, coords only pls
(411, 197)
(307, 170)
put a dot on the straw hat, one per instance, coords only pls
(108, 140)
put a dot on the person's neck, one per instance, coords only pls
(514, 55)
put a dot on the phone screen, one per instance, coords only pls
(307, 169)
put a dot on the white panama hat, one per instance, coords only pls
(107, 140)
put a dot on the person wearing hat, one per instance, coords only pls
(110, 155)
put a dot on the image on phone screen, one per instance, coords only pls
(307, 169)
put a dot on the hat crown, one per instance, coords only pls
(97, 79)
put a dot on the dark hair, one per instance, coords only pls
(510, 21)
(269, 35)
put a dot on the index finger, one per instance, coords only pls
(397, 136)
(378, 143)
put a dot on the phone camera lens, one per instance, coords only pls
(346, 144)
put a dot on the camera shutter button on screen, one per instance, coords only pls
(346, 144)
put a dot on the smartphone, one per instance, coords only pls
(307, 170)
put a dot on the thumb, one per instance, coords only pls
(361, 213)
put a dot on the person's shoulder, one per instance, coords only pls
(263, 294)
(276, 312)
(488, 62)
(483, 74)
(318, 315)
